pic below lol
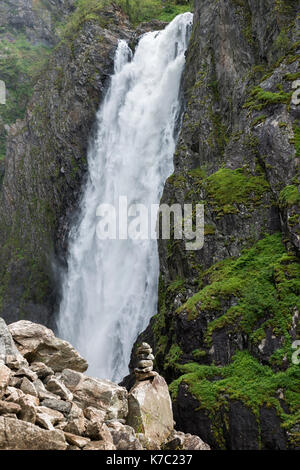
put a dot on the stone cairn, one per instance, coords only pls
(144, 369)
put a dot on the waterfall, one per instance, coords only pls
(110, 288)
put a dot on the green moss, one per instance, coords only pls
(20, 65)
(264, 283)
(219, 136)
(173, 356)
(260, 98)
(292, 76)
(286, 9)
(227, 188)
(137, 10)
(245, 380)
(289, 196)
(197, 173)
(177, 180)
(174, 8)
(176, 285)
(296, 141)
(258, 120)
(198, 354)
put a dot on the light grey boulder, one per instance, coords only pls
(97, 393)
(150, 409)
(5, 374)
(28, 387)
(180, 441)
(19, 435)
(54, 385)
(58, 405)
(9, 353)
(76, 421)
(41, 369)
(9, 408)
(75, 440)
(48, 418)
(44, 394)
(99, 445)
(39, 344)
(124, 437)
(29, 406)
(26, 372)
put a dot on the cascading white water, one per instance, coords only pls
(110, 289)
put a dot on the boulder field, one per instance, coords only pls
(47, 402)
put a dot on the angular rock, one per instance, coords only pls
(9, 354)
(76, 426)
(58, 405)
(55, 416)
(142, 375)
(39, 344)
(76, 440)
(146, 443)
(29, 406)
(28, 336)
(97, 431)
(43, 394)
(44, 421)
(93, 414)
(93, 430)
(7, 407)
(150, 409)
(100, 394)
(76, 412)
(124, 437)
(18, 435)
(95, 427)
(180, 441)
(76, 421)
(58, 388)
(5, 374)
(26, 372)
(99, 445)
(61, 425)
(15, 382)
(41, 369)
(14, 394)
(28, 387)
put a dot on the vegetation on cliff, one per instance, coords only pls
(227, 315)
(20, 64)
(22, 58)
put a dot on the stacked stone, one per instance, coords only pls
(144, 369)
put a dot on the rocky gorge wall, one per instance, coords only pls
(28, 32)
(46, 164)
(229, 313)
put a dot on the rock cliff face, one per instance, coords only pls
(228, 314)
(46, 163)
(37, 20)
(28, 31)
